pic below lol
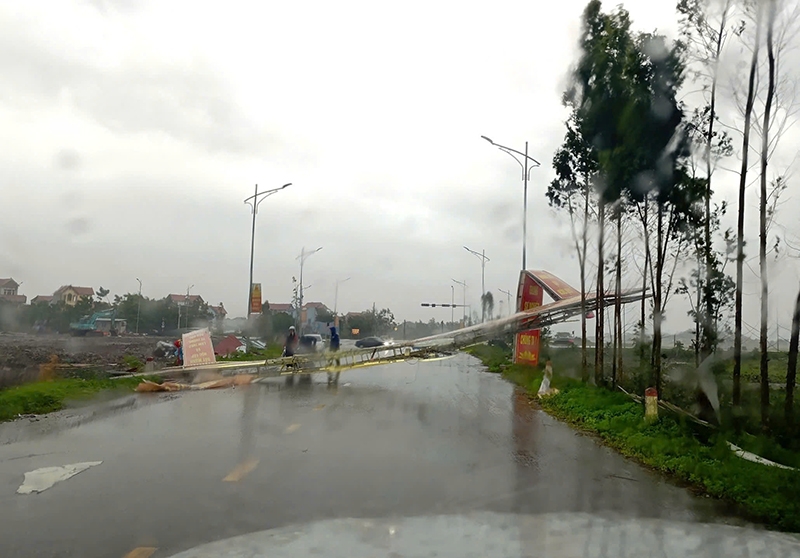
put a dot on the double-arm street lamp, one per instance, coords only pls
(508, 297)
(464, 287)
(254, 201)
(525, 174)
(482, 256)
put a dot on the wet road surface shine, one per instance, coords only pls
(391, 441)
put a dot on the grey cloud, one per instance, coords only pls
(106, 6)
(77, 227)
(68, 160)
(189, 103)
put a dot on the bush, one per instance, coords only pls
(46, 397)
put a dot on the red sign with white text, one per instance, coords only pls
(529, 296)
(554, 286)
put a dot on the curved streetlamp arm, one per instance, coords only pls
(478, 254)
(253, 200)
(512, 150)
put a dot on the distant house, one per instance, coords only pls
(183, 300)
(218, 314)
(42, 299)
(278, 307)
(312, 311)
(71, 295)
(309, 317)
(9, 291)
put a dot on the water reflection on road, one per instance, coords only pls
(390, 441)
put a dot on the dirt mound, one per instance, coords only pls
(22, 354)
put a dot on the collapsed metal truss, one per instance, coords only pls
(424, 349)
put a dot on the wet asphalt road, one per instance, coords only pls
(393, 441)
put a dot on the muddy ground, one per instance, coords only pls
(22, 354)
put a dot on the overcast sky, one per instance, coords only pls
(133, 130)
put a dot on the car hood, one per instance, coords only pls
(497, 535)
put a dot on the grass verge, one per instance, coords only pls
(494, 357)
(48, 396)
(672, 446)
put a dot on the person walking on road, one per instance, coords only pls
(334, 346)
(291, 343)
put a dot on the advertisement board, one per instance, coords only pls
(198, 350)
(530, 295)
(255, 299)
(555, 287)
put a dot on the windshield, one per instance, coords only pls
(521, 278)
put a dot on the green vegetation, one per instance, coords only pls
(132, 362)
(46, 397)
(495, 356)
(680, 448)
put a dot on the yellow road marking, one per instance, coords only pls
(241, 470)
(319, 407)
(141, 552)
(292, 427)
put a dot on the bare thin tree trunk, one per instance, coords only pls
(643, 317)
(657, 296)
(791, 369)
(748, 113)
(582, 262)
(618, 304)
(762, 237)
(599, 329)
(709, 328)
(697, 316)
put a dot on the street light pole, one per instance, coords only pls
(508, 296)
(139, 306)
(303, 257)
(452, 304)
(254, 201)
(336, 296)
(464, 286)
(189, 288)
(484, 259)
(525, 175)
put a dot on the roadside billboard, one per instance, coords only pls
(198, 350)
(555, 287)
(255, 299)
(530, 295)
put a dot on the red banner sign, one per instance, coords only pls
(255, 299)
(529, 296)
(555, 287)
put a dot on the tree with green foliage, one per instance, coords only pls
(575, 167)
(623, 93)
(487, 304)
(704, 30)
(281, 322)
(372, 322)
(599, 96)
